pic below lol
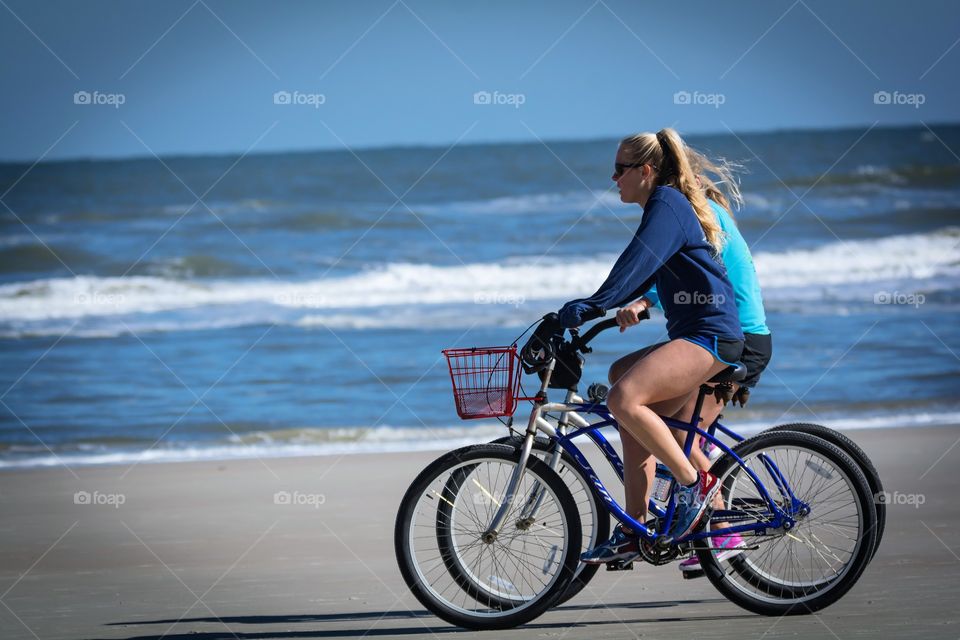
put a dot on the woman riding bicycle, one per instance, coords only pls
(757, 348)
(676, 247)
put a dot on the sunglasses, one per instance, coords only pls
(619, 168)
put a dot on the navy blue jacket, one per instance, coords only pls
(670, 250)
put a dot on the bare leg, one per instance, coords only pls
(663, 376)
(620, 367)
(640, 474)
(637, 486)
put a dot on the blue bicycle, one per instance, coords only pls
(489, 536)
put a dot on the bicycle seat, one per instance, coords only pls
(733, 373)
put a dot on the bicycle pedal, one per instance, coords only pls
(617, 565)
(690, 575)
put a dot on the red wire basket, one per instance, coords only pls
(485, 380)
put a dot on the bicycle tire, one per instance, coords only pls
(795, 600)
(600, 515)
(851, 448)
(447, 546)
(484, 618)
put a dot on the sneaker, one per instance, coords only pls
(621, 546)
(727, 547)
(692, 503)
(712, 451)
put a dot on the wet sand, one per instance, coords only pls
(208, 550)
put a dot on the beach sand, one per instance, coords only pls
(202, 550)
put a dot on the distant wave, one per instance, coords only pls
(929, 176)
(575, 201)
(868, 190)
(911, 260)
(423, 295)
(360, 440)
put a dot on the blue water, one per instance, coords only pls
(300, 307)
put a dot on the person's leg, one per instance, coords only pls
(637, 485)
(642, 466)
(665, 374)
(620, 367)
(639, 464)
(660, 380)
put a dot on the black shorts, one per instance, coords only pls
(757, 349)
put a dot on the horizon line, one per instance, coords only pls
(441, 145)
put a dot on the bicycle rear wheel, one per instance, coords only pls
(495, 584)
(812, 565)
(858, 455)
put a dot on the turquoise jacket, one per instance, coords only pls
(742, 274)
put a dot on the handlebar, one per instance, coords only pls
(580, 342)
(547, 340)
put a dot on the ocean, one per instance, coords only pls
(289, 304)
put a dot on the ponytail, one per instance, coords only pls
(677, 172)
(686, 170)
(714, 173)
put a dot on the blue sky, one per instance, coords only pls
(200, 77)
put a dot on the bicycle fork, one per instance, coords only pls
(527, 515)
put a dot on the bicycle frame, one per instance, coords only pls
(571, 411)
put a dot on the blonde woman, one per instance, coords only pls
(675, 248)
(758, 346)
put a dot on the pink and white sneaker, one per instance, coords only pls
(729, 547)
(712, 451)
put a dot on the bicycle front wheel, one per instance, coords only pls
(462, 575)
(810, 566)
(594, 516)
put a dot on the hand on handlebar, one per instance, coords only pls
(632, 314)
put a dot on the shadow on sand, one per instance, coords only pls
(427, 624)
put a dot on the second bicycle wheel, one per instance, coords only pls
(858, 455)
(810, 566)
(497, 583)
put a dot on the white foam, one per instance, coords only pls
(352, 441)
(423, 295)
(909, 259)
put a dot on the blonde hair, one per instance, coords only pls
(713, 174)
(668, 154)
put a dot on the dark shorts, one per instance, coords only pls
(757, 349)
(724, 350)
